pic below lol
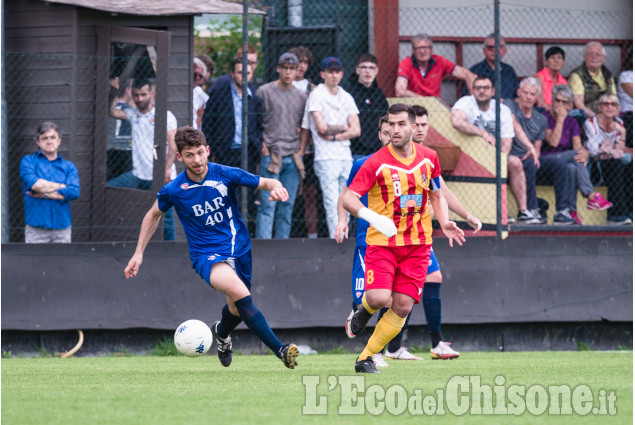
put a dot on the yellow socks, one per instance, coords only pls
(366, 306)
(387, 328)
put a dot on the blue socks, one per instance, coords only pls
(257, 323)
(432, 309)
(228, 322)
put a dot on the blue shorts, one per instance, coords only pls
(359, 269)
(433, 264)
(357, 277)
(241, 265)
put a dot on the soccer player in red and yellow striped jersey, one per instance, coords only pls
(399, 178)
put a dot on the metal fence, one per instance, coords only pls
(345, 30)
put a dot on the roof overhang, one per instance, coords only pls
(160, 8)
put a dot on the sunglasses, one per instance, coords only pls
(613, 104)
(197, 76)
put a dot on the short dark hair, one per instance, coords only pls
(398, 108)
(236, 61)
(187, 137)
(383, 120)
(483, 77)
(46, 126)
(554, 50)
(302, 53)
(367, 57)
(140, 82)
(419, 110)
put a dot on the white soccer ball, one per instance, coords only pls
(193, 338)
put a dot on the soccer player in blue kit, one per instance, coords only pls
(205, 201)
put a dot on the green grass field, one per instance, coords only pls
(259, 390)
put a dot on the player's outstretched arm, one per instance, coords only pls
(341, 231)
(383, 224)
(456, 207)
(148, 227)
(276, 191)
(450, 229)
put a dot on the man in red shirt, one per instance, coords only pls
(421, 73)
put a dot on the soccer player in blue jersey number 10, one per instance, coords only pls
(205, 201)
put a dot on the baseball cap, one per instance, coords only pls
(330, 63)
(288, 58)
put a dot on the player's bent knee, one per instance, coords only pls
(378, 298)
(402, 304)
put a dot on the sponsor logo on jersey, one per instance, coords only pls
(395, 176)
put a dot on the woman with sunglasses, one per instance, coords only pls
(606, 145)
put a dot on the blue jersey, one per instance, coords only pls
(362, 225)
(208, 210)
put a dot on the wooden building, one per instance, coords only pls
(58, 60)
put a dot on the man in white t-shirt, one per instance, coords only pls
(143, 151)
(333, 118)
(476, 115)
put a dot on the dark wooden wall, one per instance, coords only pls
(51, 67)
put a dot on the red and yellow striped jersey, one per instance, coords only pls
(398, 189)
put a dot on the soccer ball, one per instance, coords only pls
(193, 338)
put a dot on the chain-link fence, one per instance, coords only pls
(120, 158)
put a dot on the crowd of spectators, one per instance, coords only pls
(572, 133)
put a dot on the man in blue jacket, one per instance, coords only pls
(222, 121)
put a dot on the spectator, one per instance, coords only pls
(550, 75)
(563, 160)
(625, 94)
(144, 152)
(523, 158)
(305, 60)
(509, 80)
(591, 80)
(49, 182)
(333, 119)
(282, 110)
(370, 101)
(199, 97)
(308, 188)
(226, 79)
(421, 73)
(124, 101)
(209, 65)
(222, 121)
(606, 134)
(476, 114)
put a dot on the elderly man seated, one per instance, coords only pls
(591, 80)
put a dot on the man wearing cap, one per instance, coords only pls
(282, 110)
(550, 75)
(333, 118)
